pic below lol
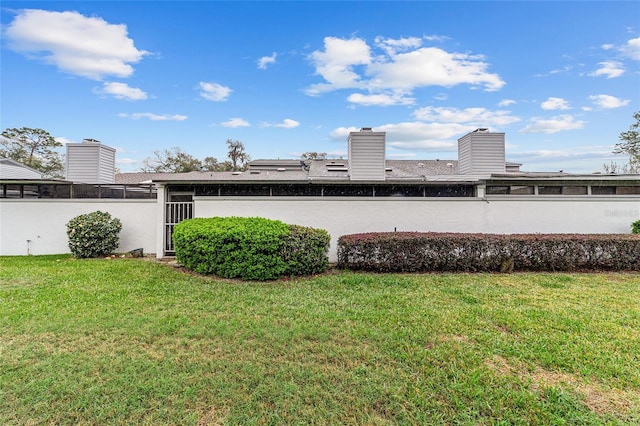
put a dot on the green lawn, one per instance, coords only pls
(129, 341)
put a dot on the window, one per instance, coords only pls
(497, 190)
(245, 190)
(574, 190)
(628, 190)
(54, 191)
(86, 191)
(296, 190)
(550, 190)
(399, 190)
(511, 190)
(449, 191)
(603, 190)
(348, 191)
(521, 190)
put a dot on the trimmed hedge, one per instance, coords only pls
(424, 252)
(250, 248)
(305, 250)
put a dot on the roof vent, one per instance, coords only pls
(90, 141)
(236, 173)
(281, 169)
(366, 129)
(481, 129)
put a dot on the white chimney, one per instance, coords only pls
(367, 155)
(90, 162)
(481, 152)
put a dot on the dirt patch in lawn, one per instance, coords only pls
(597, 397)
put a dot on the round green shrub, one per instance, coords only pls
(635, 227)
(93, 234)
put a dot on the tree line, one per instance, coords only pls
(36, 148)
(175, 160)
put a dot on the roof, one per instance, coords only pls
(296, 171)
(336, 171)
(10, 169)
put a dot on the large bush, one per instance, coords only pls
(249, 248)
(93, 234)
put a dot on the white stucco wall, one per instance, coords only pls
(509, 215)
(44, 223)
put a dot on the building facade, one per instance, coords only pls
(479, 192)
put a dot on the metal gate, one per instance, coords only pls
(174, 213)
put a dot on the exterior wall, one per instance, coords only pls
(500, 216)
(367, 155)
(481, 153)
(90, 163)
(44, 223)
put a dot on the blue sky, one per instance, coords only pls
(561, 79)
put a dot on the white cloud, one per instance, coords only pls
(424, 136)
(153, 117)
(474, 117)
(64, 140)
(608, 101)
(415, 135)
(126, 161)
(576, 160)
(123, 91)
(392, 46)
(341, 133)
(632, 49)
(609, 69)
(235, 122)
(265, 61)
(553, 125)
(436, 38)
(506, 102)
(555, 104)
(431, 66)
(380, 99)
(86, 46)
(565, 157)
(401, 65)
(214, 91)
(336, 64)
(437, 129)
(288, 124)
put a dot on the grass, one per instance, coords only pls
(127, 341)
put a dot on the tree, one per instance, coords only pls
(314, 155)
(630, 145)
(237, 155)
(34, 148)
(210, 164)
(175, 160)
(172, 160)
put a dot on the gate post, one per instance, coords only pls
(160, 231)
